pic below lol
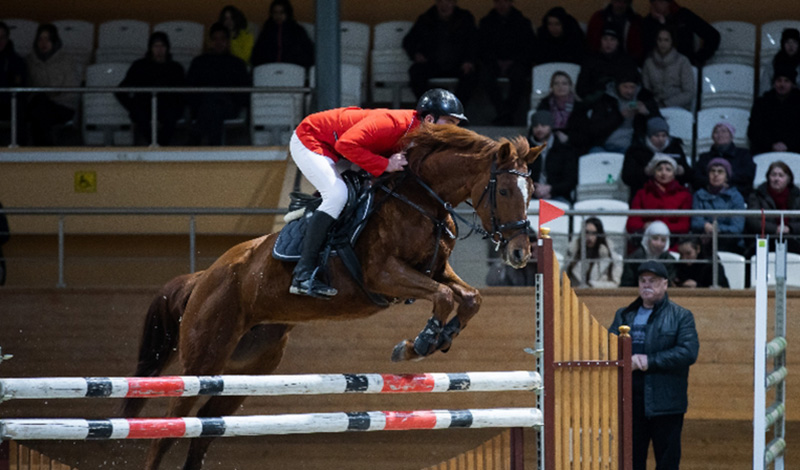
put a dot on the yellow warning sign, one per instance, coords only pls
(85, 182)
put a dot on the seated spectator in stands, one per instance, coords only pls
(567, 109)
(788, 56)
(668, 73)
(282, 39)
(779, 192)
(641, 153)
(689, 273)
(661, 192)
(718, 195)
(49, 66)
(686, 25)
(560, 38)
(619, 16)
(501, 274)
(619, 117)
(242, 39)
(156, 69)
(13, 73)
(506, 49)
(737, 157)
(599, 68)
(555, 172)
(775, 116)
(443, 43)
(602, 266)
(654, 245)
(216, 68)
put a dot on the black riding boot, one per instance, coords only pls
(316, 235)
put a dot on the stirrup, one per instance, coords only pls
(312, 288)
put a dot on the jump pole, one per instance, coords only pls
(233, 426)
(267, 385)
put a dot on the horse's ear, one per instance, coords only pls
(505, 153)
(533, 153)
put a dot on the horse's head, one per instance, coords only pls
(501, 199)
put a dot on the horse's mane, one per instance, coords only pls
(464, 143)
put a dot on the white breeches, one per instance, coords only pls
(323, 173)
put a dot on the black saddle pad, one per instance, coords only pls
(290, 239)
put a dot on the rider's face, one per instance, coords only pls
(442, 120)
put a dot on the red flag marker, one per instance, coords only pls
(548, 212)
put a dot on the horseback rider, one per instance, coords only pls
(365, 137)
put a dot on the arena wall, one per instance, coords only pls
(370, 12)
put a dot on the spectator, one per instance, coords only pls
(619, 16)
(668, 73)
(779, 192)
(654, 246)
(775, 116)
(561, 38)
(641, 152)
(692, 274)
(14, 74)
(664, 345)
(789, 55)
(216, 68)
(4, 236)
(242, 39)
(443, 43)
(661, 192)
(506, 47)
(718, 195)
(49, 66)
(555, 172)
(599, 68)
(156, 69)
(501, 274)
(737, 157)
(567, 109)
(686, 24)
(282, 39)
(620, 116)
(602, 266)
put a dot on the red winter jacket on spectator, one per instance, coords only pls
(652, 197)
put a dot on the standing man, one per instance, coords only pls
(506, 43)
(686, 24)
(664, 346)
(443, 43)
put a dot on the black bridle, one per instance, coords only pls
(495, 236)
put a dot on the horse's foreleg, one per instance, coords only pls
(469, 302)
(395, 278)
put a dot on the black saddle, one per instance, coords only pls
(346, 229)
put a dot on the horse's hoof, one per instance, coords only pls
(401, 351)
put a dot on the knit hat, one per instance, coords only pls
(659, 158)
(628, 75)
(726, 125)
(656, 227)
(543, 118)
(790, 33)
(719, 161)
(655, 125)
(782, 70)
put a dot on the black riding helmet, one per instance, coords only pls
(440, 102)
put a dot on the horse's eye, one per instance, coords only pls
(503, 192)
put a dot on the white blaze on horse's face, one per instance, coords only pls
(522, 183)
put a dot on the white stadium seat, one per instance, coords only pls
(273, 116)
(737, 43)
(727, 85)
(600, 177)
(121, 41)
(390, 64)
(105, 121)
(23, 33)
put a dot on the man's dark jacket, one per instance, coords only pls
(462, 34)
(671, 346)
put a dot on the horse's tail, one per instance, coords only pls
(160, 335)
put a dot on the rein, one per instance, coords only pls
(496, 236)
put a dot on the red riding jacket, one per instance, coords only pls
(651, 196)
(365, 137)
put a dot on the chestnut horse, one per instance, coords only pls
(235, 317)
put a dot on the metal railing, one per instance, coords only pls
(153, 91)
(191, 214)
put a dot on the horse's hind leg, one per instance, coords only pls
(259, 352)
(159, 447)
